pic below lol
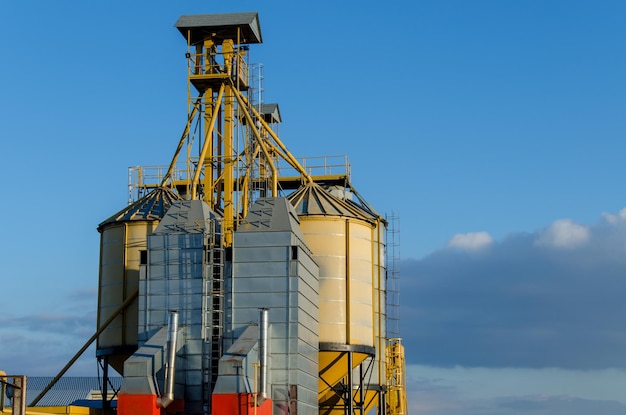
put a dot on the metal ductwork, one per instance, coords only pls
(170, 364)
(263, 353)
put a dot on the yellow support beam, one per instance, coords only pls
(287, 155)
(206, 145)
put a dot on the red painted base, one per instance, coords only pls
(128, 404)
(239, 404)
(137, 404)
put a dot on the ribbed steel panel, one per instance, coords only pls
(346, 239)
(178, 278)
(273, 268)
(67, 390)
(123, 237)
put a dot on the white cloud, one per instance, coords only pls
(517, 304)
(470, 241)
(563, 233)
(614, 218)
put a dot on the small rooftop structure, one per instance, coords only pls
(236, 26)
(270, 113)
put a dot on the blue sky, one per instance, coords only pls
(494, 129)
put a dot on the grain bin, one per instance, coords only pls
(122, 240)
(347, 242)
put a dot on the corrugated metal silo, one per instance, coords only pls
(348, 244)
(122, 239)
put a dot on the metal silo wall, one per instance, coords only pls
(380, 318)
(351, 255)
(343, 250)
(120, 246)
(177, 280)
(275, 270)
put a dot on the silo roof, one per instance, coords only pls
(312, 199)
(220, 27)
(271, 214)
(67, 390)
(186, 216)
(150, 207)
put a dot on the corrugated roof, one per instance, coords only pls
(220, 27)
(312, 199)
(271, 214)
(187, 216)
(270, 113)
(152, 206)
(67, 391)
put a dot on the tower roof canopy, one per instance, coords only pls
(235, 26)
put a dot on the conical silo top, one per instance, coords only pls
(150, 207)
(312, 199)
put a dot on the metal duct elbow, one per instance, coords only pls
(170, 363)
(263, 353)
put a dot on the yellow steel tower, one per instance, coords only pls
(238, 150)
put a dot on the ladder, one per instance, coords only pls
(213, 317)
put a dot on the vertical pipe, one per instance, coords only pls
(361, 391)
(263, 340)
(19, 395)
(170, 363)
(3, 388)
(106, 404)
(348, 294)
(349, 402)
(228, 140)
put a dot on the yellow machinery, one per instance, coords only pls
(396, 378)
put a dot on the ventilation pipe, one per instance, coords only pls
(263, 339)
(170, 362)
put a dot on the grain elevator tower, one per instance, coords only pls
(240, 279)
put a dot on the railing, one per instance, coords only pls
(319, 166)
(143, 178)
(215, 64)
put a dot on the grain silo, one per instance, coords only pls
(221, 293)
(123, 238)
(347, 241)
